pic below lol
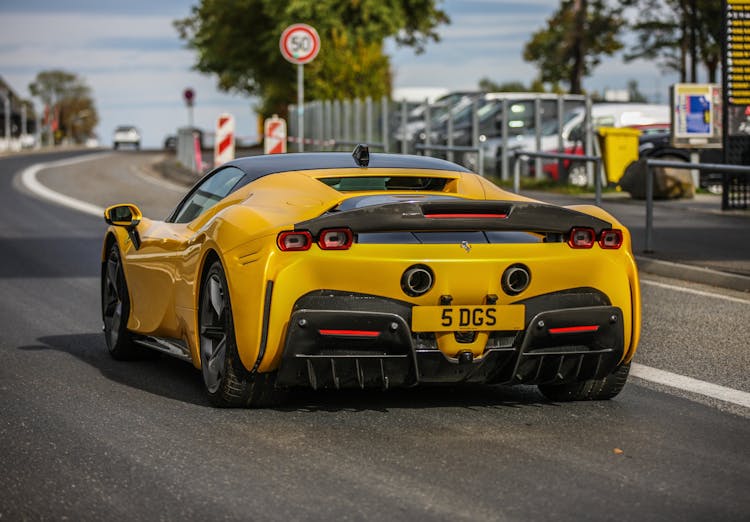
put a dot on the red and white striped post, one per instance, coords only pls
(224, 142)
(274, 135)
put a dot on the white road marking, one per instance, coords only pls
(695, 292)
(28, 178)
(689, 384)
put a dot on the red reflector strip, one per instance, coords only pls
(350, 333)
(574, 329)
(469, 216)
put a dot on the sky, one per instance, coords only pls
(137, 67)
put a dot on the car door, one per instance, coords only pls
(159, 271)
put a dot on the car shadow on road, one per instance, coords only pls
(422, 397)
(174, 379)
(157, 374)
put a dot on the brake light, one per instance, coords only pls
(466, 216)
(611, 238)
(350, 333)
(290, 241)
(582, 238)
(335, 239)
(574, 329)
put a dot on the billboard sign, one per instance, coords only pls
(696, 115)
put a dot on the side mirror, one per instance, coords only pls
(126, 215)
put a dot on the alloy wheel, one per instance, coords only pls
(112, 300)
(214, 328)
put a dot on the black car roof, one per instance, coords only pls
(259, 166)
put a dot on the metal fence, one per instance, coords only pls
(341, 124)
(480, 131)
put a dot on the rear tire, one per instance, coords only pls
(591, 390)
(116, 308)
(228, 383)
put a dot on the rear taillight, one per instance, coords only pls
(582, 238)
(335, 239)
(294, 241)
(610, 238)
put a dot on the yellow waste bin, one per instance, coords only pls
(619, 148)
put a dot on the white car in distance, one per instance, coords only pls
(127, 135)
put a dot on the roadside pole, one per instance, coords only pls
(300, 44)
(300, 107)
(6, 100)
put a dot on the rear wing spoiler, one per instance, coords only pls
(454, 216)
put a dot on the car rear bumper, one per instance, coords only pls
(337, 340)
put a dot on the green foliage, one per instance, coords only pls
(238, 40)
(487, 85)
(634, 92)
(671, 31)
(70, 97)
(577, 35)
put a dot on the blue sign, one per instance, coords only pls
(698, 117)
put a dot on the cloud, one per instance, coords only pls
(135, 65)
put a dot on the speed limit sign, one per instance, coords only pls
(299, 43)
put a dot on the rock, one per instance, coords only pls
(669, 183)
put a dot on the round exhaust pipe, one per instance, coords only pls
(417, 280)
(515, 279)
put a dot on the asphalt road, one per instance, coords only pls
(84, 437)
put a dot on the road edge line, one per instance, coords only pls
(688, 384)
(30, 181)
(693, 291)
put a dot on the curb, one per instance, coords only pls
(694, 274)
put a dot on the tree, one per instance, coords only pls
(577, 35)
(679, 34)
(69, 98)
(487, 85)
(634, 92)
(238, 41)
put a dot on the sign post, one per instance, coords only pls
(696, 119)
(696, 115)
(299, 44)
(735, 68)
(189, 96)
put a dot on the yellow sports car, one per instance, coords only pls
(338, 270)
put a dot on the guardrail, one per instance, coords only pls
(597, 160)
(651, 163)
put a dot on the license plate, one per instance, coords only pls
(456, 318)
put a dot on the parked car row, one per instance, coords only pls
(647, 117)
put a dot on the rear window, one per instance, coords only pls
(368, 201)
(364, 183)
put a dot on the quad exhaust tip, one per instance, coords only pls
(516, 279)
(417, 280)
